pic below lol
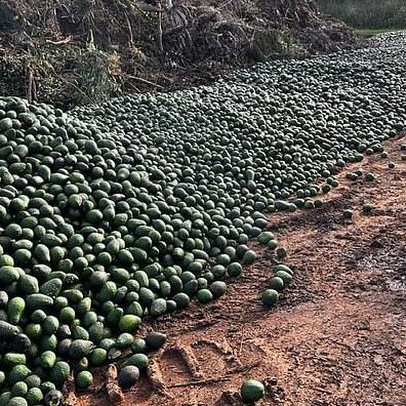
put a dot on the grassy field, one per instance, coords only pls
(369, 32)
(371, 14)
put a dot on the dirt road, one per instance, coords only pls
(337, 337)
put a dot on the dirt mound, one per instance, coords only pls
(80, 51)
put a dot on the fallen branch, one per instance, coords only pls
(244, 368)
(225, 378)
(159, 31)
(63, 41)
(31, 93)
(145, 81)
(201, 382)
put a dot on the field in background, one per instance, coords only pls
(367, 13)
(369, 32)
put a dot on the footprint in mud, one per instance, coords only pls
(215, 359)
(178, 365)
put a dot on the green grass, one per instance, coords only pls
(369, 32)
(371, 14)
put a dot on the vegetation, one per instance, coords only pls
(80, 52)
(369, 32)
(368, 14)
